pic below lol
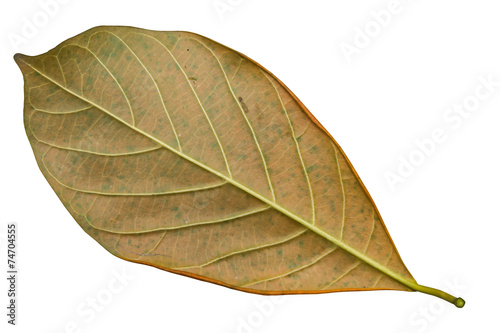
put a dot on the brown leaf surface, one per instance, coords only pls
(172, 150)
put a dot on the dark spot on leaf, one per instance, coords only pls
(243, 105)
(193, 81)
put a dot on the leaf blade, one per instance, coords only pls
(292, 114)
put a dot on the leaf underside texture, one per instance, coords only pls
(172, 150)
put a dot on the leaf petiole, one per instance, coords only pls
(457, 301)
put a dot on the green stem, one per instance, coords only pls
(457, 301)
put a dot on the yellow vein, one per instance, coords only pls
(209, 241)
(79, 72)
(385, 264)
(396, 276)
(198, 99)
(39, 86)
(304, 131)
(237, 69)
(60, 113)
(293, 271)
(116, 243)
(245, 251)
(182, 226)
(156, 85)
(298, 149)
(371, 232)
(111, 74)
(194, 189)
(47, 96)
(340, 277)
(60, 67)
(157, 243)
(97, 153)
(246, 118)
(343, 191)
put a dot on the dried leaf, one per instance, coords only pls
(172, 150)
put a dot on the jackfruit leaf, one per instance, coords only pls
(174, 151)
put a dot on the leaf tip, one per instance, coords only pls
(19, 58)
(21, 61)
(459, 302)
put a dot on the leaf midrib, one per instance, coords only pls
(361, 256)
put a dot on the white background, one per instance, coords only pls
(443, 218)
